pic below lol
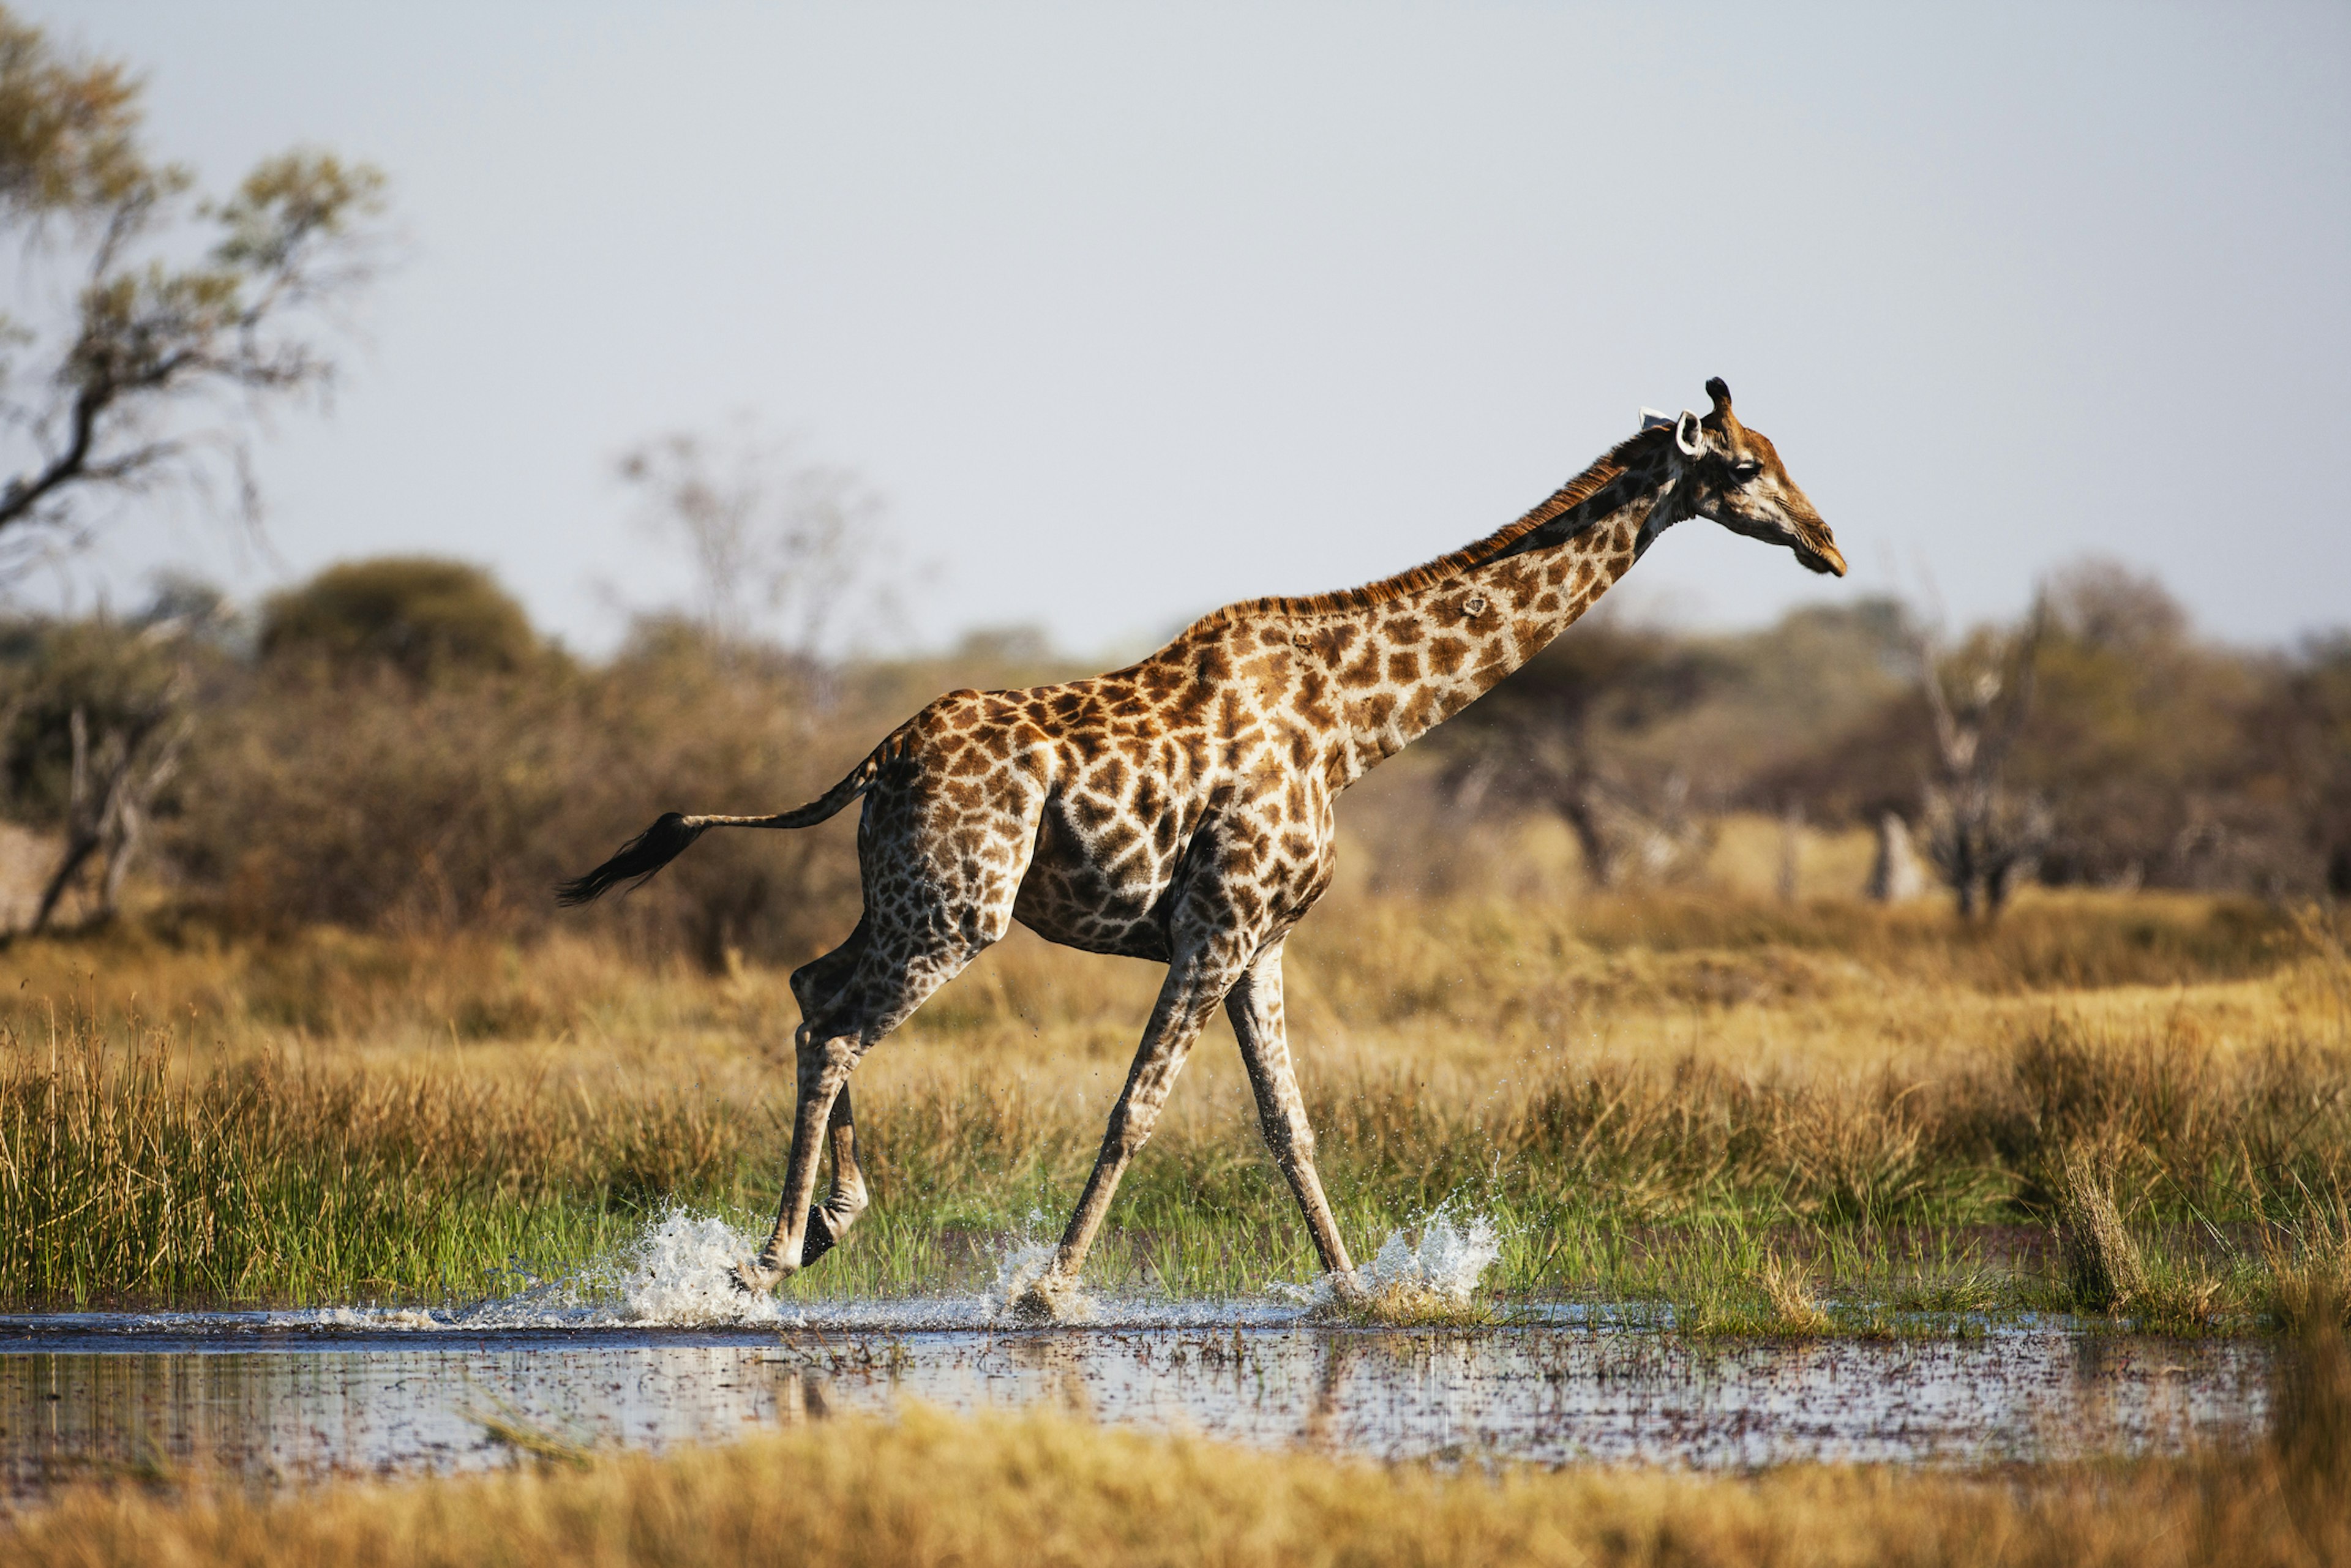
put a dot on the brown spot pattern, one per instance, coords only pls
(1180, 810)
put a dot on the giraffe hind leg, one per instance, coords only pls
(829, 1221)
(827, 1047)
(940, 883)
(816, 984)
(820, 980)
(891, 978)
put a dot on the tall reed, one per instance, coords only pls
(124, 1175)
(120, 1180)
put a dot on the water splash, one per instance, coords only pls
(677, 1275)
(363, 1318)
(1446, 1263)
(1437, 1274)
(672, 1274)
(1023, 1263)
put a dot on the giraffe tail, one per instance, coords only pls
(635, 862)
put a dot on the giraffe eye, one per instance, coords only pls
(1743, 472)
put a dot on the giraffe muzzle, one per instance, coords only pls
(1822, 555)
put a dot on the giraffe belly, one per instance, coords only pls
(1069, 896)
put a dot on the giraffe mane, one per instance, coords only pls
(1610, 467)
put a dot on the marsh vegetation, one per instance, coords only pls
(1776, 1119)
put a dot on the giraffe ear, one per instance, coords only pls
(1654, 419)
(1688, 436)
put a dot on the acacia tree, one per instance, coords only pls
(1552, 737)
(146, 332)
(151, 327)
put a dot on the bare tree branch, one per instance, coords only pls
(778, 545)
(1981, 838)
(108, 398)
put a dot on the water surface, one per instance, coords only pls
(289, 1396)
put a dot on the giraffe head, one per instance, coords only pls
(1731, 474)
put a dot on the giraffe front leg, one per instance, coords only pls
(1189, 993)
(1255, 1007)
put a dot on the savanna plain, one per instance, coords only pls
(1750, 1117)
(1853, 1089)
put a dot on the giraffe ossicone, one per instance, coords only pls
(1180, 810)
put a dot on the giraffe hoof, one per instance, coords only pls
(818, 1238)
(1052, 1298)
(750, 1279)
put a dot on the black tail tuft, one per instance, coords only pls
(637, 860)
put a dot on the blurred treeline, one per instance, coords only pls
(2097, 741)
(392, 745)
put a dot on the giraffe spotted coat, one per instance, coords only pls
(1180, 810)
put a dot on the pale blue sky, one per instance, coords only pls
(1133, 311)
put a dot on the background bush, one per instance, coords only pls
(391, 746)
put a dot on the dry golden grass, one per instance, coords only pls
(1786, 1287)
(1731, 1103)
(1040, 1489)
(1462, 989)
(2310, 1259)
(2102, 1262)
(1577, 1068)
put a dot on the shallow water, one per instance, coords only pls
(299, 1395)
(653, 1347)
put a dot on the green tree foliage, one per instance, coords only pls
(2138, 741)
(431, 620)
(2151, 756)
(185, 317)
(2298, 751)
(344, 789)
(395, 751)
(1558, 734)
(2141, 754)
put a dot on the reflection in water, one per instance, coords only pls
(273, 1404)
(279, 1417)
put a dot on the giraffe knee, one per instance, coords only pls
(819, 980)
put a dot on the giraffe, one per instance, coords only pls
(1180, 810)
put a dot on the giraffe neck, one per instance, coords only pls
(1408, 662)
